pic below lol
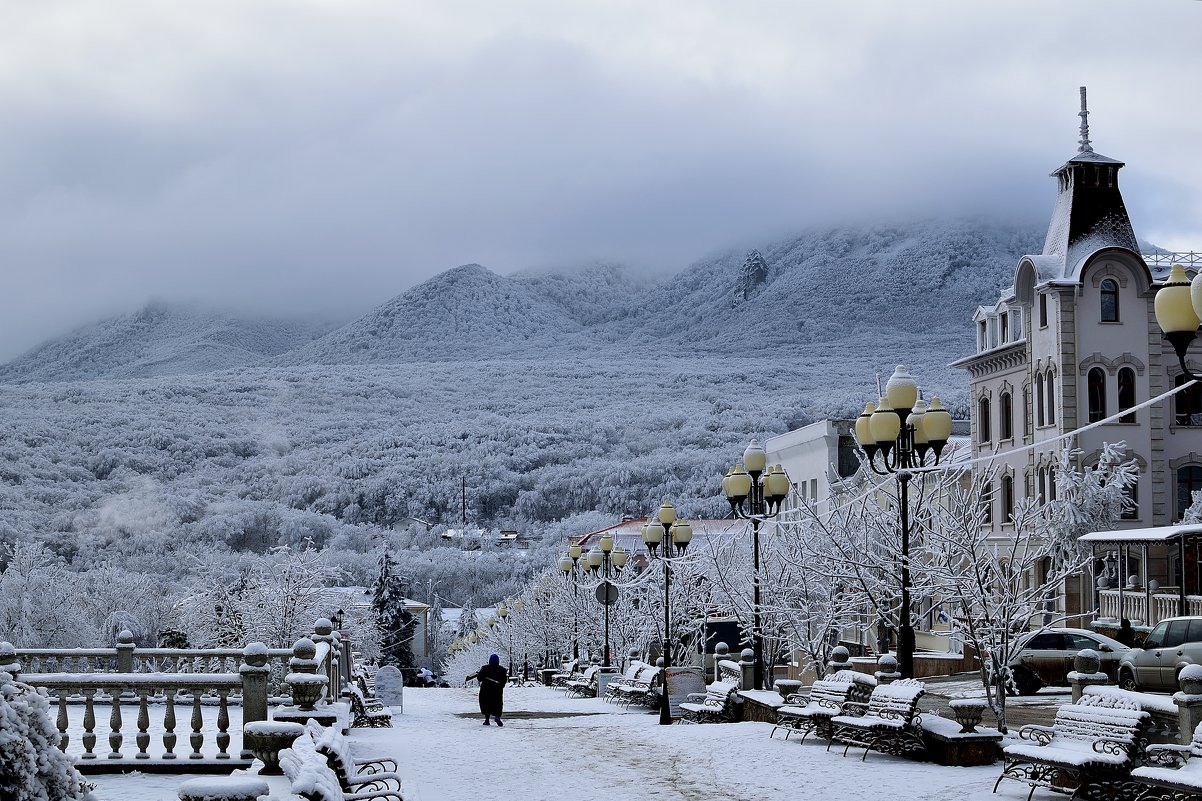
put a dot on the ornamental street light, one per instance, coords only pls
(902, 429)
(568, 564)
(755, 493)
(1178, 308)
(674, 534)
(503, 613)
(607, 593)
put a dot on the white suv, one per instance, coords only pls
(1173, 644)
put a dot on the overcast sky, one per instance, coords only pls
(324, 156)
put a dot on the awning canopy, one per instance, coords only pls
(1143, 536)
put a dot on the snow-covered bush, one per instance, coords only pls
(31, 766)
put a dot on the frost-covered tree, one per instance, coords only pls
(395, 623)
(32, 768)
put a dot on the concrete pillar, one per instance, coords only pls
(721, 651)
(255, 675)
(1087, 670)
(1189, 702)
(886, 669)
(323, 631)
(747, 663)
(840, 660)
(125, 651)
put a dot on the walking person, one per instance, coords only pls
(492, 689)
(1126, 634)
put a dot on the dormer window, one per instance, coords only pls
(1110, 301)
(983, 336)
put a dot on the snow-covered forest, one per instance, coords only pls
(563, 399)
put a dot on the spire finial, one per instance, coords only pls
(1084, 146)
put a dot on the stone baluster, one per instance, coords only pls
(125, 651)
(63, 737)
(256, 673)
(196, 739)
(89, 722)
(169, 736)
(115, 737)
(323, 631)
(223, 724)
(8, 659)
(143, 736)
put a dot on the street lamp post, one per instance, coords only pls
(568, 565)
(606, 556)
(756, 493)
(903, 429)
(674, 534)
(1178, 311)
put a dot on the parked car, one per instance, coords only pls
(1174, 643)
(1045, 658)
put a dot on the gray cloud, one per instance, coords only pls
(324, 156)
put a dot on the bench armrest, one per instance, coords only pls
(856, 708)
(797, 699)
(1166, 756)
(1038, 734)
(1115, 748)
(695, 698)
(383, 765)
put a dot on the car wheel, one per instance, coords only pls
(1026, 682)
(1127, 680)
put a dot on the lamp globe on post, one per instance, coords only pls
(1178, 305)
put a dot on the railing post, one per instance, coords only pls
(721, 651)
(1087, 670)
(323, 631)
(748, 667)
(255, 674)
(886, 669)
(840, 660)
(125, 651)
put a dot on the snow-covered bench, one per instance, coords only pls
(644, 691)
(1170, 771)
(628, 678)
(586, 685)
(313, 779)
(367, 712)
(718, 704)
(889, 722)
(1097, 739)
(569, 671)
(354, 775)
(813, 711)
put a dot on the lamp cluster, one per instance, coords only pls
(1178, 308)
(667, 525)
(751, 485)
(901, 427)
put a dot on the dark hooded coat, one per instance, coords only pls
(492, 687)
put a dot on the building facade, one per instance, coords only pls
(1074, 342)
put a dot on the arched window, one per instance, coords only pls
(1006, 421)
(984, 433)
(1007, 498)
(1027, 410)
(1052, 483)
(1187, 404)
(1189, 481)
(1041, 483)
(1131, 510)
(1126, 393)
(1110, 301)
(1039, 415)
(1051, 390)
(1096, 386)
(987, 504)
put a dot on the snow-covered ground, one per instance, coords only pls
(554, 747)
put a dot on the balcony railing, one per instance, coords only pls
(1145, 608)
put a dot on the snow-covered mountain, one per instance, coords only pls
(161, 339)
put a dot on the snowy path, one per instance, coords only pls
(554, 748)
(603, 753)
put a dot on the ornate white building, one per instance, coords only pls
(1074, 341)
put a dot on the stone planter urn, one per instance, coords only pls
(968, 712)
(307, 689)
(267, 738)
(787, 687)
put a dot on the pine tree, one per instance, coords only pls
(396, 624)
(32, 768)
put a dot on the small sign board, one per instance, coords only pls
(390, 687)
(607, 593)
(681, 682)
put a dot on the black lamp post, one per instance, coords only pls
(755, 493)
(902, 430)
(606, 555)
(503, 613)
(674, 534)
(568, 565)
